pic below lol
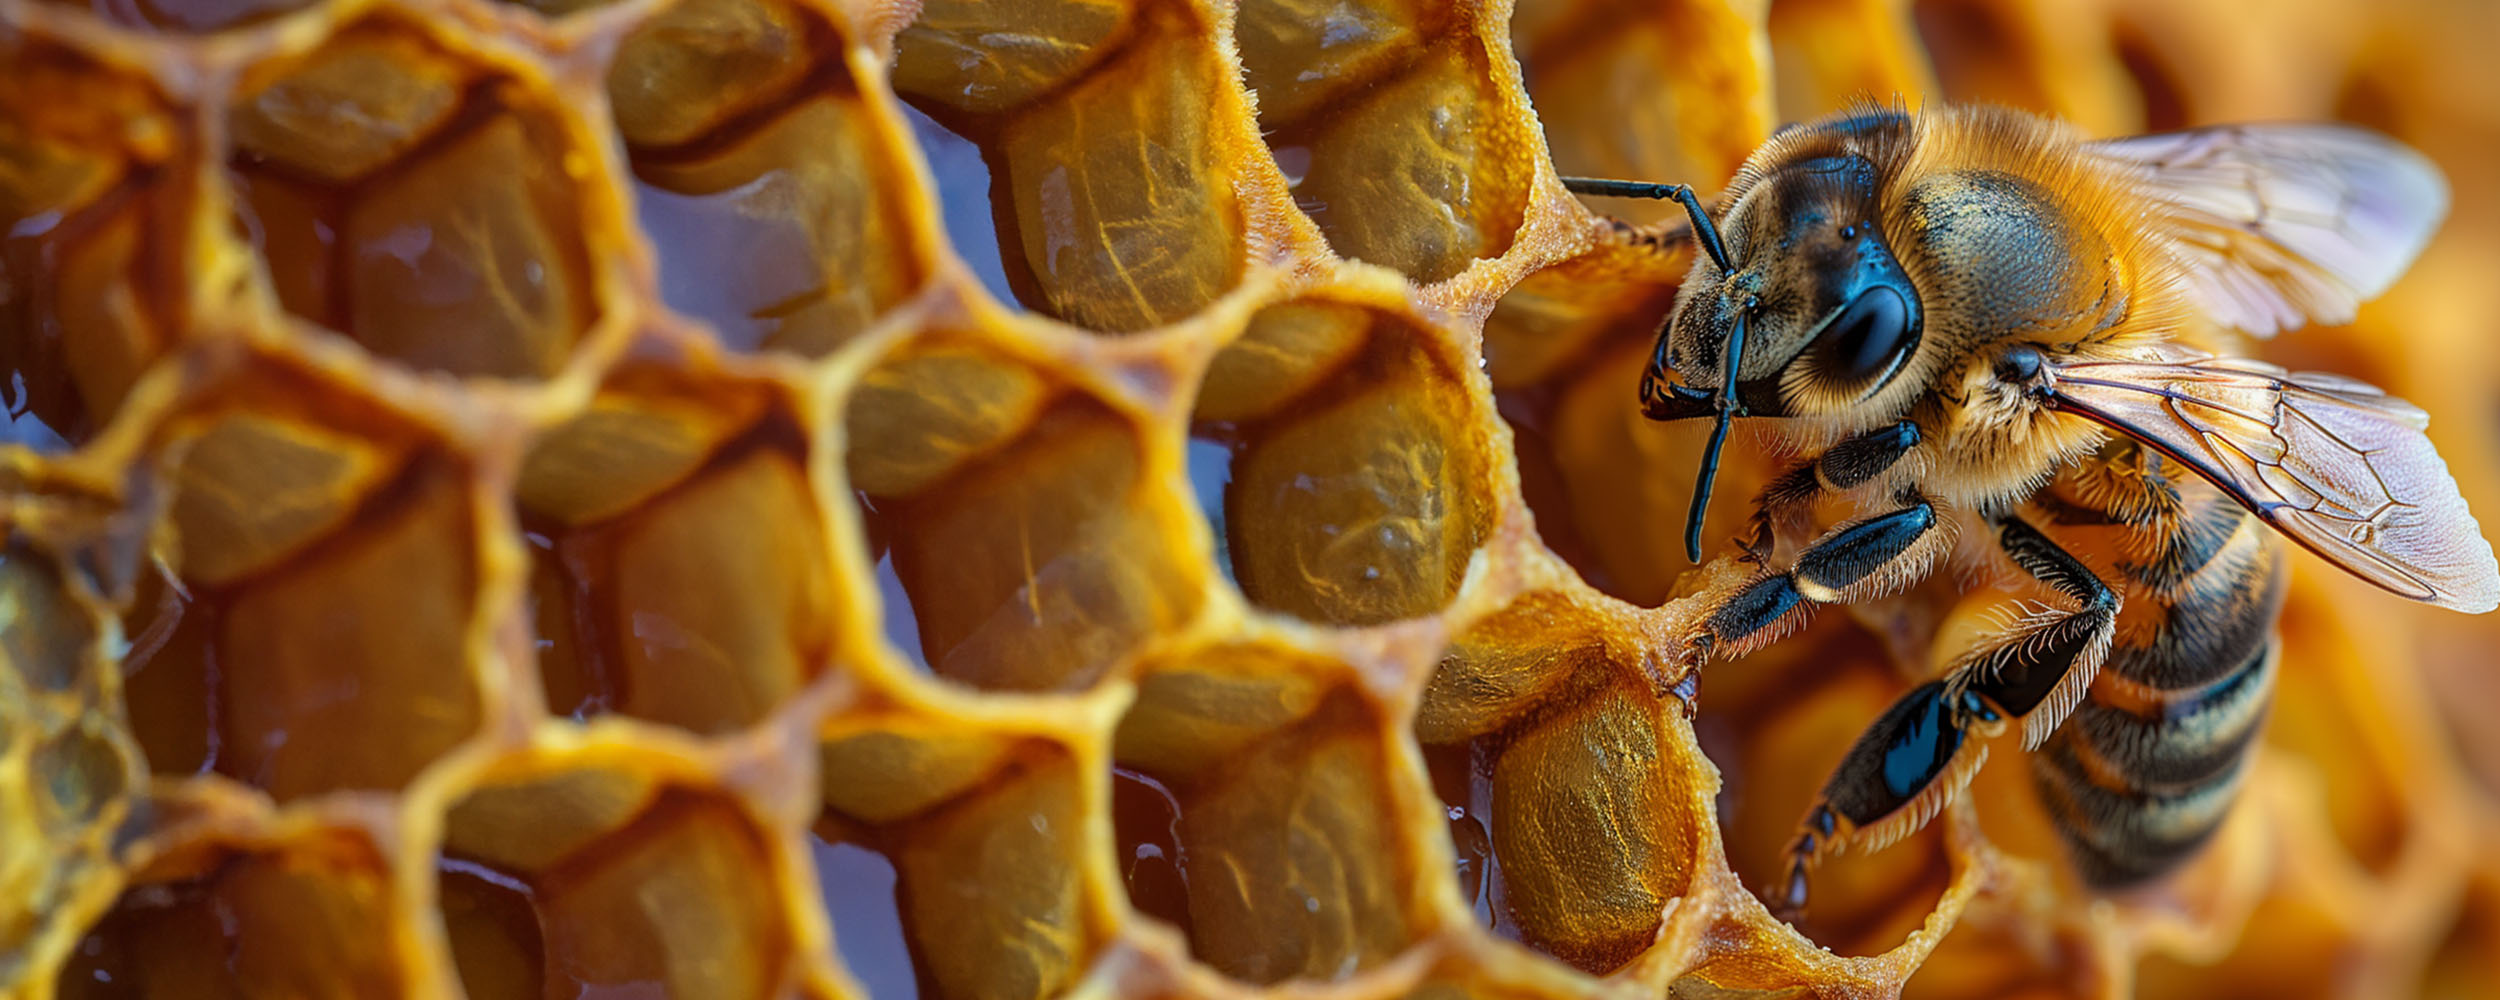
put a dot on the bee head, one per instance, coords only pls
(1808, 312)
(1797, 305)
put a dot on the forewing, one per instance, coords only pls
(2281, 225)
(2339, 466)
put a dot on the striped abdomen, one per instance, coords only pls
(2149, 764)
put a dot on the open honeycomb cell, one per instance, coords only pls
(417, 202)
(1262, 796)
(96, 201)
(679, 556)
(1351, 493)
(974, 843)
(751, 144)
(301, 917)
(1396, 128)
(1015, 518)
(308, 624)
(1120, 499)
(1100, 127)
(582, 880)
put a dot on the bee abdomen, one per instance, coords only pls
(2149, 764)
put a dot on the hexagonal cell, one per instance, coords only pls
(310, 916)
(966, 849)
(1639, 92)
(91, 264)
(680, 569)
(1776, 723)
(1610, 488)
(312, 623)
(1257, 809)
(70, 769)
(1345, 454)
(770, 194)
(1425, 168)
(581, 881)
(418, 203)
(1102, 131)
(1019, 544)
(1575, 808)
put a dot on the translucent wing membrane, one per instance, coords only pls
(2339, 466)
(2280, 225)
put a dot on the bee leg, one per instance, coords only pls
(2039, 671)
(1912, 762)
(1845, 466)
(1899, 774)
(1857, 561)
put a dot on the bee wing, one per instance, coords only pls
(2281, 225)
(2339, 466)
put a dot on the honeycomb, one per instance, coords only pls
(1123, 499)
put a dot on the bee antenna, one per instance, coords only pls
(1704, 232)
(1729, 407)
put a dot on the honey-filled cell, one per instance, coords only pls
(1255, 809)
(1570, 826)
(1611, 489)
(584, 881)
(1303, 56)
(1664, 92)
(680, 568)
(91, 201)
(311, 916)
(763, 182)
(309, 627)
(981, 57)
(1423, 172)
(1113, 191)
(974, 861)
(422, 206)
(1352, 488)
(1012, 519)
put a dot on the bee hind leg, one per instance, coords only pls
(1899, 774)
(1921, 753)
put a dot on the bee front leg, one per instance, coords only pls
(1915, 759)
(1845, 466)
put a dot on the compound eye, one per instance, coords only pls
(1870, 337)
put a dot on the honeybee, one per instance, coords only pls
(2008, 346)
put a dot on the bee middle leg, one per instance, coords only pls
(1922, 752)
(1859, 560)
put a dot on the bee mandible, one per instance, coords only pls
(2009, 347)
